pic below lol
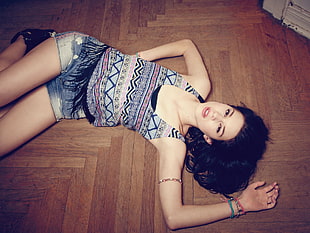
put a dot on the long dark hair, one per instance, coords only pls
(226, 166)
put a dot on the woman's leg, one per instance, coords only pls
(9, 56)
(27, 118)
(40, 65)
(12, 53)
(31, 114)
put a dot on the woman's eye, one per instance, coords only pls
(227, 112)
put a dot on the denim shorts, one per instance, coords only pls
(73, 48)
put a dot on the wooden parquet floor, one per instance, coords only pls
(80, 179)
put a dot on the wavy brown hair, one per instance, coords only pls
(227, 166)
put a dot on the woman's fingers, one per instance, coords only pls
(258, 184)
(271, 187)
(272, 192)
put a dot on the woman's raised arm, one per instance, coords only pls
(196, 70)
(177, 215)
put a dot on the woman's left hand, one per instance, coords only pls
(254, 198)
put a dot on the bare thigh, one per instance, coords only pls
(36, 68)
(27, 118)
(12, 53)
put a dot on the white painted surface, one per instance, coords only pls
(293, 13)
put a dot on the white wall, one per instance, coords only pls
(293, 13)
(275, 7)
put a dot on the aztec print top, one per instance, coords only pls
(120, 92)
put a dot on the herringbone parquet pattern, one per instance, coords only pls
(77, 178)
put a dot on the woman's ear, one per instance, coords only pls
(207, 139)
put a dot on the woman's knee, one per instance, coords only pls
(27, 118)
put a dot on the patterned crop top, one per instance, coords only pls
(120, 91)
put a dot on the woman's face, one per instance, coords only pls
(219, 121)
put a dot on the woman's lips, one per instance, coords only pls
(205, 112)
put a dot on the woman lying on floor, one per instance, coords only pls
(72, 75)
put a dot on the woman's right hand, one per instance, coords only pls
(255, 198)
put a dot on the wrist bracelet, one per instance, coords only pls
(231, 208)
(240, 207)
(170, 179)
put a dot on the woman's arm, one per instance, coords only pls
(197, 72)
(178, 215)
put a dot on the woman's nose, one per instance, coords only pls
(216, 116)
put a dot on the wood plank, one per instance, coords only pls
(77, 178)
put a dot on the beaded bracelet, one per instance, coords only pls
(231, 208)
(239, 207)
(170, 179)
